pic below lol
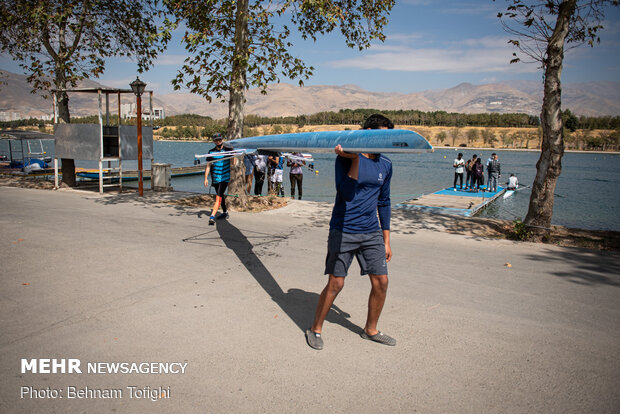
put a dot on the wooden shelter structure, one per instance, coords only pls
(108, 144)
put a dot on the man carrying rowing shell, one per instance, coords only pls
(220, 176)
(362, 191)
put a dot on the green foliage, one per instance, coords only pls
(400, 117)
(22, 123)
(276, 129)
(188, 119)
(472, 135)
(70, 40)
(250, 132)
(598, 122)
(253, 38)
(506, 137)
(570, 121)
(532, 23)
(520, 231)
(441, 137)
(489, 137)
(301, 121)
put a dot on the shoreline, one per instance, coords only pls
(403, 221)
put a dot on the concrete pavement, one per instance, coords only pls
(117, 279)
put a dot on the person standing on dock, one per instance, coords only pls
(478, 173)
(469, 168)
(459, 168)
(362, 193)
(495, 172)
(219, 168)
(296, 174)
(488, 171)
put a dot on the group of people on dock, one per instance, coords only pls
(474, 170)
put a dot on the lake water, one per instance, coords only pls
(587, 192)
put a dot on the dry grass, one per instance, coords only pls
(256, 204)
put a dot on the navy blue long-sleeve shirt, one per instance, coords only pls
(359, 201)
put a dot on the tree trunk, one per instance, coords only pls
(549, 166)
(236, 99)
(68, 164)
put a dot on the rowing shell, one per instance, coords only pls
(508, 193)
(363, 140)
(233, 153)
(214, 157)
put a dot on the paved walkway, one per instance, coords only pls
(118, 279)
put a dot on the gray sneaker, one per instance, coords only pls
(314, 339)
(379, 337)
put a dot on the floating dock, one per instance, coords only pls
(448, 201)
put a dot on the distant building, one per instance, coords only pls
(10, 116)
(129, 111)
(16, 116)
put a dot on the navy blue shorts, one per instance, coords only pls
(367, 248)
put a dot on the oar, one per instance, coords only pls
(555, 194)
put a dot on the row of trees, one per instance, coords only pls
(598, 122)
(190, 132)
(435, 118)
(401, 117)
(357, 117)
(518, 139)
(584, 140)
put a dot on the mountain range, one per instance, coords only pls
(590, 99)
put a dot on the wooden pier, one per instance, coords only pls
(447, 201)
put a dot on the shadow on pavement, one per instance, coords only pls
(406, 221)
(298, 304)
(588, 267)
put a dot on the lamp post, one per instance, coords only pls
(138, 87)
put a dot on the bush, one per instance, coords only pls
(520, 231)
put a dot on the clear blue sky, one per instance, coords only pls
(431, 44)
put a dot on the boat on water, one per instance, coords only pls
(93, 174)
(508, 193)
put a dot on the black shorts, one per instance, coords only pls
(220, 188)
(367, 248)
